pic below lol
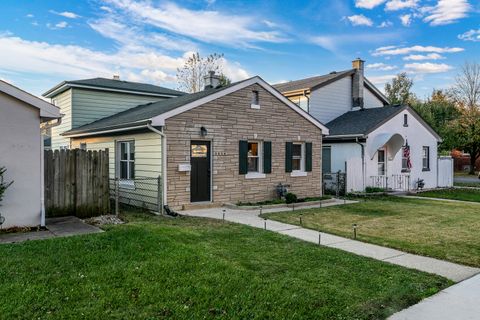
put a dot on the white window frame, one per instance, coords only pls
(125, 183)
(427, 157)
(384, 162)
(255, 100)
(259, 173)
(301, 172)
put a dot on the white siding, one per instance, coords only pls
(91, 105)
(417, 136)
(342, 152)
(20, 153)
(64, 102)
(332, 100)
(148, 151)
(370, 100)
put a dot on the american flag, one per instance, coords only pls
(406, 155)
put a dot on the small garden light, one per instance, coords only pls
(265, 223)
(354, 230)
(319, 238)
(301, 222)
(223, 212)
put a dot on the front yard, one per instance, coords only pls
(454, 194)
(189, 268)
(440, 229)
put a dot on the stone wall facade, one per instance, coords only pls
(228, 120)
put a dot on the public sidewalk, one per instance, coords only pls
(446, 269)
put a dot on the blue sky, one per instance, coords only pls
(45, 42)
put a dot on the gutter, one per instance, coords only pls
(363, 162)
(164, 162)
(74, 135)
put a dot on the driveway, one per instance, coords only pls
(56, 227)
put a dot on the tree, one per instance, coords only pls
(190, 77)
(466, 132)
(398, 91)
(466, 90)
(438, 111)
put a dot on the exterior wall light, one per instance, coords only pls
(203, 131)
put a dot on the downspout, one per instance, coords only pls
(42, 173)
(363, 161)
(164, 162)
(308, 100)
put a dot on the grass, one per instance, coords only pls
(188, 268)
(440, 229)
(455, 194)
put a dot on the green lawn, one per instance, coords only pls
(456, 194)
(440, 229)
(187, 268)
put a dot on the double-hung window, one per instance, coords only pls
(381, 162)
(126, 160)
(253, 155)
(426, 158)
(298, 157)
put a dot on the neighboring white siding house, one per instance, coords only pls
(21, 153)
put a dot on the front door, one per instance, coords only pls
(200, 174)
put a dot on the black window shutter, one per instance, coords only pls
(308, 156)
(288, 156)
(243, 157)
(267, 157)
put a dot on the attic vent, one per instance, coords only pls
(333, 72)
(116, 77)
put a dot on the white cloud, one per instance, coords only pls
(381, 66)
(105, 8)
(406, 19)
(446, 12)
(360, 20)
(385, 24)
(380, 81)
(334, 42)
(394, 50)
(419, 57)
(394, 5)
(29, 15)
(471, 35)
(66, 14)
(204, 25)
(427, 67)
(52, 61)
(368, 4)
(61, 25)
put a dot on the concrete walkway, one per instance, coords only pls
(459, 302)
(56, 227)
(446, 269)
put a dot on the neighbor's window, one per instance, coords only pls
(255, 98)
(301, 101)
(426, 158)
(253, 156)
(381, 162)
(405, 120)
(326, 159)
(127, 160)
(298, 157)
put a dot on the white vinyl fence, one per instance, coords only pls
(445, 171)
(354, 175)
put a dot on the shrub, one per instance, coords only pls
(290, 198)
(374, 190)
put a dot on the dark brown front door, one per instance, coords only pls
(200, 174)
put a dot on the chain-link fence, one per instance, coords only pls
(141, 193)
(335, 183)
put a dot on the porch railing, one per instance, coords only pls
(399, 182)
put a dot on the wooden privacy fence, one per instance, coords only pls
(76, 183)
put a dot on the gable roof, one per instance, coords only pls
(317, 82)
(362, 122)
(113, 85)
(47, 110)
(157, 112)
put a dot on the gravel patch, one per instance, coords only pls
(103, 220)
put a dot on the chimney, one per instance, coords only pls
(211, 80)
(116, 77)
(357, 83)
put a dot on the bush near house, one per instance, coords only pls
(189, 268)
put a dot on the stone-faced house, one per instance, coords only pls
(221, 145)
(376, 144)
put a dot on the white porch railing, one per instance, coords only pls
(398, 182)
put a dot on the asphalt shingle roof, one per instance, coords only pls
(142, 113)
(311, 82)
(362, 121)
(105, 83)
